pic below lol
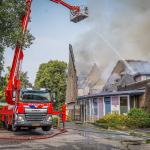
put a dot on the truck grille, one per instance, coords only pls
(35, 117)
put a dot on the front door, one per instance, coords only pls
(107, 105)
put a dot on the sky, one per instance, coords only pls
(114, 30)
(50, 25)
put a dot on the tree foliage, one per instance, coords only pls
(25, 83)
(11, 12)
(1, 59)
(52, 75)
(4, 80)
(24, 79)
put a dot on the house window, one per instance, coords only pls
(95, 106)
(123, 104)
(134, 101)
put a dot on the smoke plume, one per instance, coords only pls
(124, 23)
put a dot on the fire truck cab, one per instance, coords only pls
(36, 106)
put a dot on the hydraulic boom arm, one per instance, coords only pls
(77, 8)
(13, 86)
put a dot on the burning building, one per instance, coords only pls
(90, 83)
(127, 87)
(80, 85)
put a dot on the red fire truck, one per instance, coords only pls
(31, 108)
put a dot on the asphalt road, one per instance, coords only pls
(79, 138)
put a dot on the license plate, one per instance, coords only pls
(35, 125)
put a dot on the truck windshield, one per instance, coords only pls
(36, 96)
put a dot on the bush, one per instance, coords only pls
(55, 121)
(113, 120)
(69, 118)
(138, 117)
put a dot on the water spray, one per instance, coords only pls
(100, 35)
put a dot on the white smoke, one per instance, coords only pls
(124, 23)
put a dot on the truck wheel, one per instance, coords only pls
(6, 125)
(14, 128)
(46, 128)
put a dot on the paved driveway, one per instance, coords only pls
(80, 138)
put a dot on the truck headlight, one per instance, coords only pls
(20, 118)
(49, 118)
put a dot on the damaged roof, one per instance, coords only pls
(139, 66)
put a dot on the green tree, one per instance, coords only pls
(1, 59)
(25, 83)
(24, 79)
(11, 12)
(3, 82)
(52, 75)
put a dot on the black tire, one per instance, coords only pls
(14, 128)
(46, 128)
(6, 125)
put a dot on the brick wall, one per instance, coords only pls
(142, 101)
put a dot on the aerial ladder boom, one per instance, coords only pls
(77, 8)
(77, 13)
(13, 86)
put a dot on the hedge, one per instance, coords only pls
(136, 118)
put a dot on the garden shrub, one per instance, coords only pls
(138, 117)
(69, 118)
(55, 121)
(113, 120)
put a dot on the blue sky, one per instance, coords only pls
(53, 32)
